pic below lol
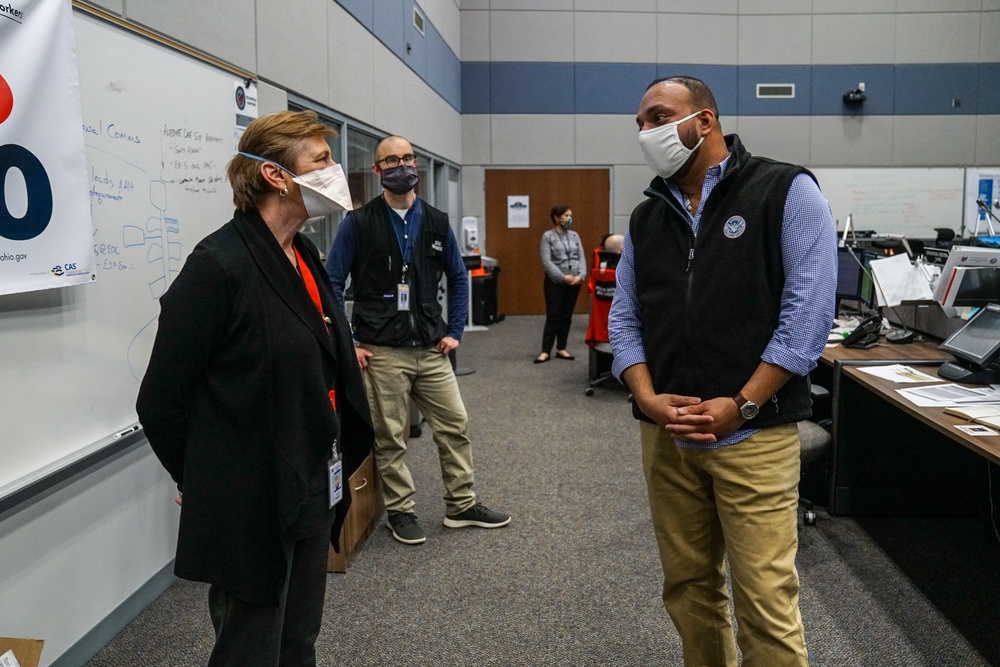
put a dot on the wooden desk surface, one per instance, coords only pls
(987, 446)
(889, 352)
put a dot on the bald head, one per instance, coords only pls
(614, 243)
(392, 145)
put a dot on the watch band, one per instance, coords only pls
(740, 399)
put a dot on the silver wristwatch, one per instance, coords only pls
(747, 408)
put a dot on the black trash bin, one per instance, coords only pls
(484, 298)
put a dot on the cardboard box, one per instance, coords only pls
(27, 651)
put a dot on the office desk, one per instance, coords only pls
(890, 457)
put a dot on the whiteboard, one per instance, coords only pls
(159, 130)
(909, 201)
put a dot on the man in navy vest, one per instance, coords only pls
(725, 298)
(396, 248)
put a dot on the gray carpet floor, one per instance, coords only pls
(575, 579)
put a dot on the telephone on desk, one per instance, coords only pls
(865, 335)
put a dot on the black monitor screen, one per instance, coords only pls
(979, 287)
(866, 291)
(979, 340)
(848, 275)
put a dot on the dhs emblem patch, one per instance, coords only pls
(735, 227)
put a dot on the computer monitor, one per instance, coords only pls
(964, 256)
(979, 286)
(848, 275)
(976, 346)
(854, 277)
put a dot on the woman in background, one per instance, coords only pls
(253, 401)
(565, 269)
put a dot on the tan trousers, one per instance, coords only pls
(394, 374)
(739, 499)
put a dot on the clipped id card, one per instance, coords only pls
(336, 469)
(402, 297)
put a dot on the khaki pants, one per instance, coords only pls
(739, 499)
(392, 376)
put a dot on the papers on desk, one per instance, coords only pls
(897, 280)
(898, 373)
(943, 395)
(975, 429)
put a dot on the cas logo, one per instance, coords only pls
(241, 98)
(734, 227)
(60, 270)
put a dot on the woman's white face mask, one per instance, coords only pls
(663, 149)
(324, 191)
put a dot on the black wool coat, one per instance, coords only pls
(235, 405)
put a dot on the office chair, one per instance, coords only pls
(814, 442)
(601, 285)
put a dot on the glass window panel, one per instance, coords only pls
(362, 181)
(424, 188)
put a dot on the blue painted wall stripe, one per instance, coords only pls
(616, 88)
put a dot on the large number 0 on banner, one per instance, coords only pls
(39, 194)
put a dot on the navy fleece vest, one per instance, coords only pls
(378, 271)
(711, 304)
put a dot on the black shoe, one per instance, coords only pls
(405, 528)
(478, 515)
(416, 432)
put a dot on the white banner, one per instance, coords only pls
(45, 225)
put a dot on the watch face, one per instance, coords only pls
(749, 410)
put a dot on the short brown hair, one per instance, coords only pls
(277, 137)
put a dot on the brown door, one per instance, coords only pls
(586, 191)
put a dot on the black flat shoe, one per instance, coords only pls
(567, 356)
(539, 360)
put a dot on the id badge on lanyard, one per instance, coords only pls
(335, 469)
(403, 292)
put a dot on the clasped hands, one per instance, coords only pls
(691, 419)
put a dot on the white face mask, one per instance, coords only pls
(664, 151)
(325, 191)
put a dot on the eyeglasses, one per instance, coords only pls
(393, 160)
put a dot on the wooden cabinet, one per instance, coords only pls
(366, 508)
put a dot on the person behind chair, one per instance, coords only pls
(565, 269)
(613, 243)
(396, 249)
(726, 294)
(251, 396)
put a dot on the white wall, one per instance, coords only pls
(73, 555)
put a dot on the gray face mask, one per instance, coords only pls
(400, 179)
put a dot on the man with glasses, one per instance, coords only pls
(396, 248)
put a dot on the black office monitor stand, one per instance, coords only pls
(963, 371)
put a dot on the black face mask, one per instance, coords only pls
(400, 179)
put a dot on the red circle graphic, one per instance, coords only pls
(6, 99)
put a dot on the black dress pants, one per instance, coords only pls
(560, 300)
(275, 635)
